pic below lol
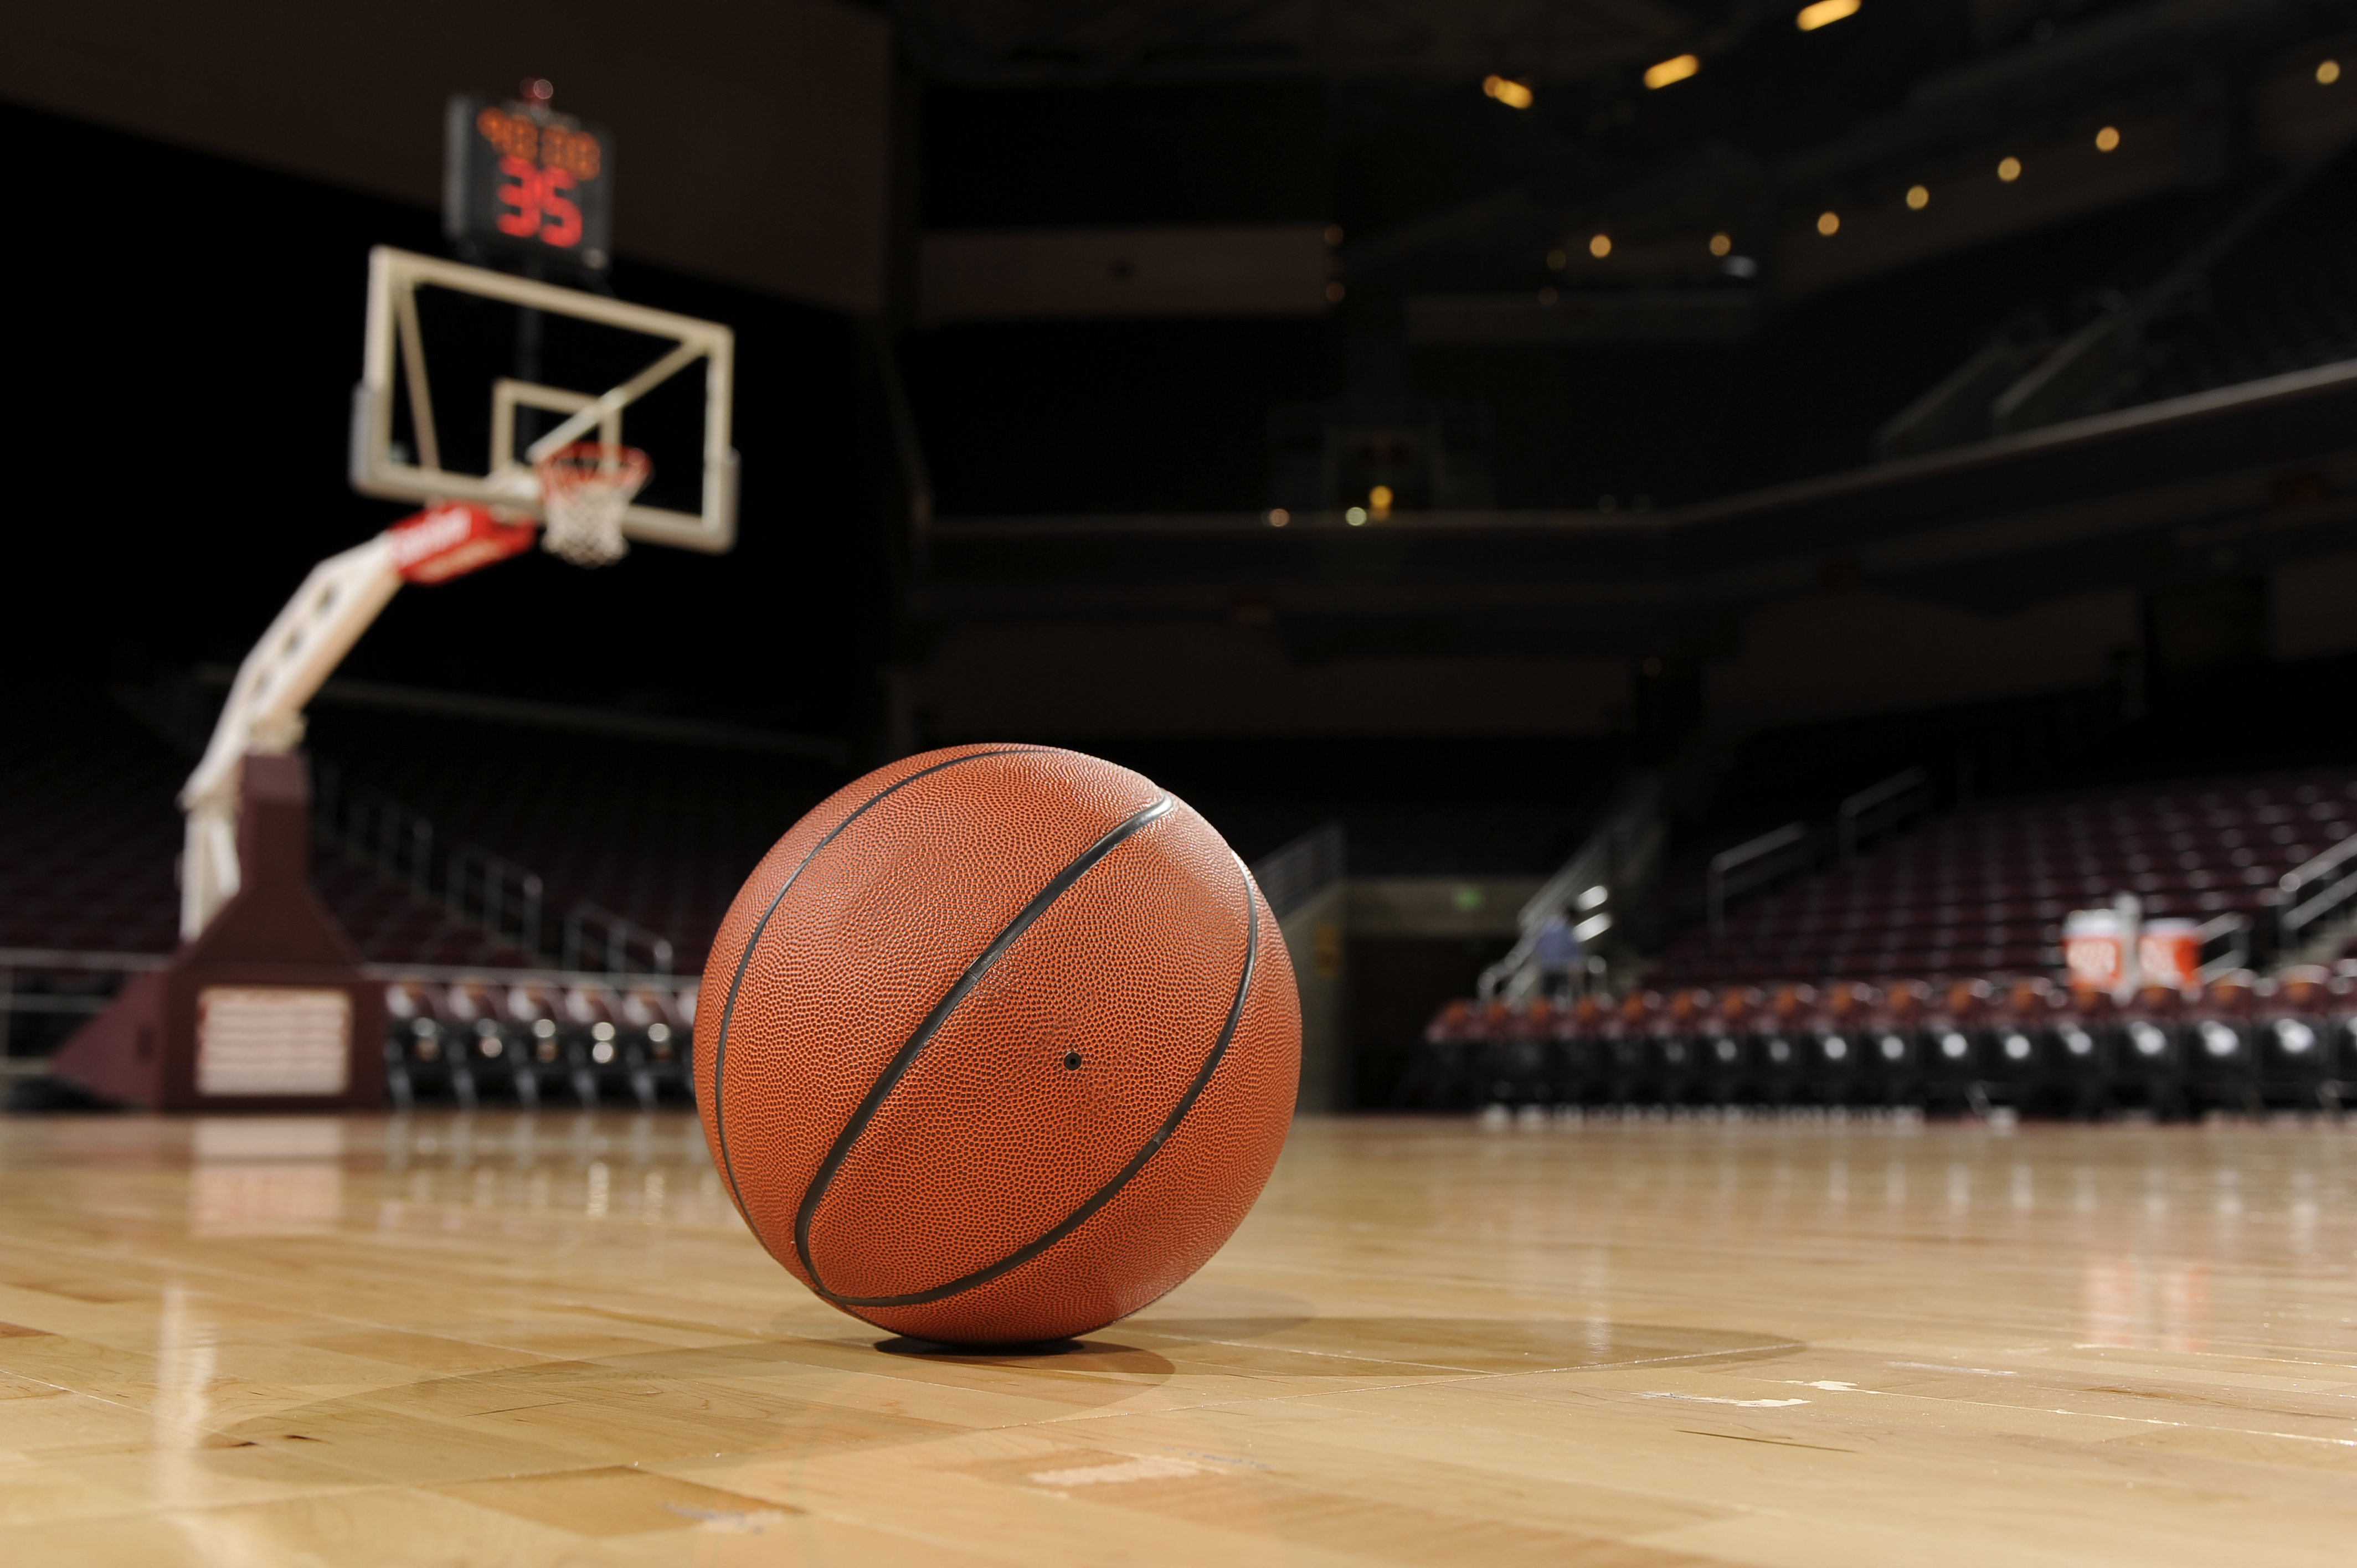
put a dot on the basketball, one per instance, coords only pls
(1005, 1043)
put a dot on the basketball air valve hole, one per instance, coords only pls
(1073, 1061)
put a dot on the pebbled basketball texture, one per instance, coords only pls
(997, 1045)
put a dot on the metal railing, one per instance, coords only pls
(1879, 809)
(497, 895)
(29, 986)
(1753, 864)
(2234, 930)
(600, 941)
(2310, 892)
(1291, 876)
(381, 833)
(505, 899)
(372, 829)
(1592, 887)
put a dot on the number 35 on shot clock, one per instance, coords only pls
(523, 181)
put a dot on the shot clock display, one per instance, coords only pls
(521, 180)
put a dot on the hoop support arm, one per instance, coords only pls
(339, 601)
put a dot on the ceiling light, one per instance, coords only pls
(1593, 896)
(1671, 70)
(1379, 500)
(1512, 95)
(1829, 224)
(1356, 517)
(2107, 139)
(1600, 246)
(2328, 72)
(1918, 196)
(1721, 243)
(1824, 14)
(1278, 517)
(2008, 169)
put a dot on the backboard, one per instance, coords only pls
(468, 423)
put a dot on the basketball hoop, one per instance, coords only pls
(584, 490)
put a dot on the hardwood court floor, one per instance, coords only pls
(512, 1339)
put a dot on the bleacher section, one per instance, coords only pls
(660, 835)
(2285, 300)
(393, 925)
(1930, 972)
(88, 837)
(1985, 891)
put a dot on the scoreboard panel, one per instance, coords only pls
(521, 180)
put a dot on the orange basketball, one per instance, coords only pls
(997, 1045)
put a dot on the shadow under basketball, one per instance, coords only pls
(1052, 1355)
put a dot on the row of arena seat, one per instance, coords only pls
(1985, 891)
(527, 1043)
(88, 833)
(2241, 1043)
(2282, 301)
(660, 833)
(89, 837)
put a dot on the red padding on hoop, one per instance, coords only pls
(452, 539)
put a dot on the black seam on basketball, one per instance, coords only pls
(906, 1055)
(1121, 1179)
(728, 1006)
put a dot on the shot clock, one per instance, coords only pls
(521, 180)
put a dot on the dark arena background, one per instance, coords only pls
(1768, 590)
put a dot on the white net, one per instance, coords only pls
(584, 490)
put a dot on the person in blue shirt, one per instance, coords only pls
(1557, 950)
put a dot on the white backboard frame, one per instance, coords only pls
(395, 350)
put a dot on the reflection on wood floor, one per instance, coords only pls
(520, 1340)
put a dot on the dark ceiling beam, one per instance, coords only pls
(1052, 43)
(2260, 474)
(2126, 46)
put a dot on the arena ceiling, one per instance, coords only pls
(800, 107)
(1039, 43)
(1769, 126)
